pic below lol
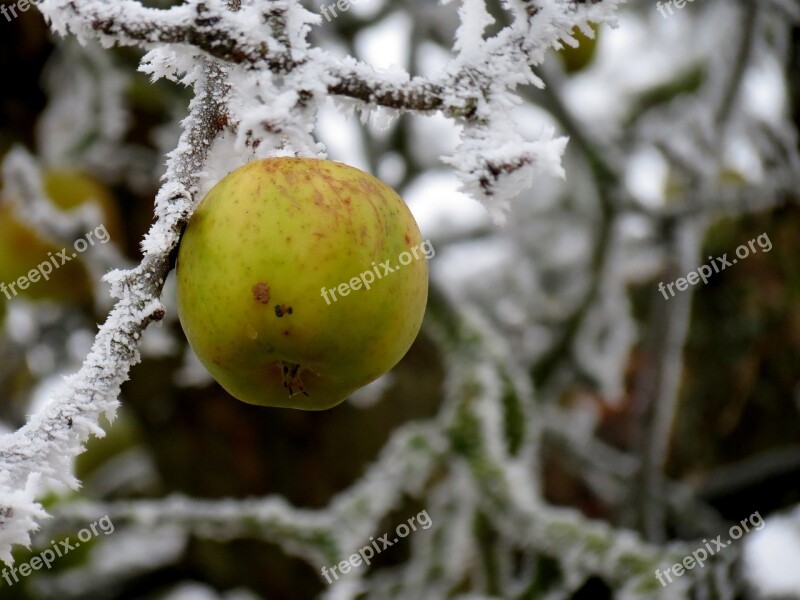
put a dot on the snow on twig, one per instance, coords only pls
(45, 446)
(476, 88)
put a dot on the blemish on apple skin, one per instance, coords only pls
(261, 293)
(282, 309)
(291, 378)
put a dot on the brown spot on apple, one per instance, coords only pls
(261, 293)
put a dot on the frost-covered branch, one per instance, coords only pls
(206, 25)
(43, 449)
(320, 536)
(657, 390)
(494, 161)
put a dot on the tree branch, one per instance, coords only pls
(57, 433)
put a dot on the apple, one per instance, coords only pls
(22, 248)
(289, 283)
(577, 59)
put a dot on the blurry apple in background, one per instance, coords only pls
(577, 59)
(22, 249)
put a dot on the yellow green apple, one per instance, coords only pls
(301, 280)
(22, 249)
